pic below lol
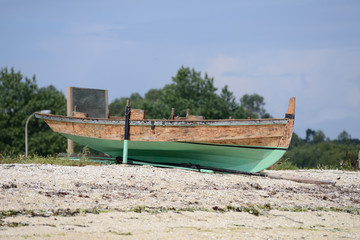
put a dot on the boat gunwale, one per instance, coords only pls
(159, 122)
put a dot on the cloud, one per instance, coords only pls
(100, 30)
(325, 81)
(85, 40)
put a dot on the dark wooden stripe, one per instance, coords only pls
(237, 146)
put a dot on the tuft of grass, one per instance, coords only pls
(121, 234)
(295, 209)
(138, 209)
(13, 224)
(254, 209)
(283, 164)
(8, 213)
(48, 213)
(230, 208)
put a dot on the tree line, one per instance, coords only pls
(318, 151)
(19, 98)
(189, 89)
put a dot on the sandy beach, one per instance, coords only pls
(143, 202)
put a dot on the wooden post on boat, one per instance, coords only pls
(172, 114)
(126, 134)
(187, 113)
(291, 109)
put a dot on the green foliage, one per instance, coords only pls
(344, 136)
(117, 107)
(19, 98)
(254, 106)
(35, 159)
(296, 141)
(283, 164)
(153, 95)
(227, 105)
(316, 150)
(190, 90)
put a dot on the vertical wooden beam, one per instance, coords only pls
(187, 113)
(172, 114)
(107, 104)
(291, 109)
(70, 109)
(290, 114)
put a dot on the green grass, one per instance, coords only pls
(283, 164)
(35, 159)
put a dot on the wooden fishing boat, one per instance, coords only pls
(249, 145)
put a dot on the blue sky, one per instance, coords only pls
(275, 48)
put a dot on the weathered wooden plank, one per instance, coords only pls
(137, 114)
(194, 118)
(266, 135)
(80, 115)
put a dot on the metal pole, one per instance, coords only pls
(126, 134)
(26, 134)
(26, 127)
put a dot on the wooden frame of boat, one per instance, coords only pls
(249, 145)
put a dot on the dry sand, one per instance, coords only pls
(143, 202)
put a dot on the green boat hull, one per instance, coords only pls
(231, 157)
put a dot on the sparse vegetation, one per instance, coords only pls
(121, 234)
(317, 151)
(283, 164)
(55, 212)
(253, 209)
(35, 159)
